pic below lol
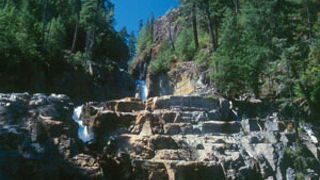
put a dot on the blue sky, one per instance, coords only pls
(129, 12)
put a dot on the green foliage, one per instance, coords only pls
(75, 60)
(313, 70)
(110, 44)
(247, 46)
(266, 48)
(163, 60)
(39, 33)
(228, 65)
(185, 45)
(299, 159)
(92, 15)
(56, 38)
(203, 56)
(144, 40)
(204, 40)
(213, 98)
(15, 43)
(132, 44)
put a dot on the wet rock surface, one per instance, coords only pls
(38, 139)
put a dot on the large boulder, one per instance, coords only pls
(38, 139)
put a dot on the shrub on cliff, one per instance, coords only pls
(163, 59)
(185, 47)
(144, 41)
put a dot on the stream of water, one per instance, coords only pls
(141, 89)
(83, 132)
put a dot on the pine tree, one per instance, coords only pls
(227, 64)
(76, 10)
(124, 34)
(190, 12)
(132, 44)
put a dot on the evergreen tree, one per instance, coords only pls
(62, 25)
(190, 12)
(124, 34)
(76, 10)
(145, 37)
(132, 44)
(227, 65)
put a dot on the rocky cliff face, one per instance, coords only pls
(194, 137)
(184, 78)
(167, 137)
(38, 139)
(164, 27)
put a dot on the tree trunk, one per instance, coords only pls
(213, 44)
(48, 36)
(171, 39)
(4, 2)
(236, 5)
(151, 26)
(44, 24)
(194, 26)
(309, 23)
(75, 33)
(290, 86)
(91, 35)
(89, 43)
(216, 32)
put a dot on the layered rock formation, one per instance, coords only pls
(192, 137)
(184, 78)
(168, 137)
(38, 139)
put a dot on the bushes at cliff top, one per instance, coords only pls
(185, 47)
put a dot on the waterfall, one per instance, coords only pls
(311, 134)
(84, 134)
(141, 88)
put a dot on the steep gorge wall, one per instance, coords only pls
(183, 77)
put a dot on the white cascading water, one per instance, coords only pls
(141, 88)
(83, 131)
(313, 138)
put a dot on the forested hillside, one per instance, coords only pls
(270, 49)
(45, 32)
(44, 42)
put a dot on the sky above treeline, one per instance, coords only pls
(129, 12)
